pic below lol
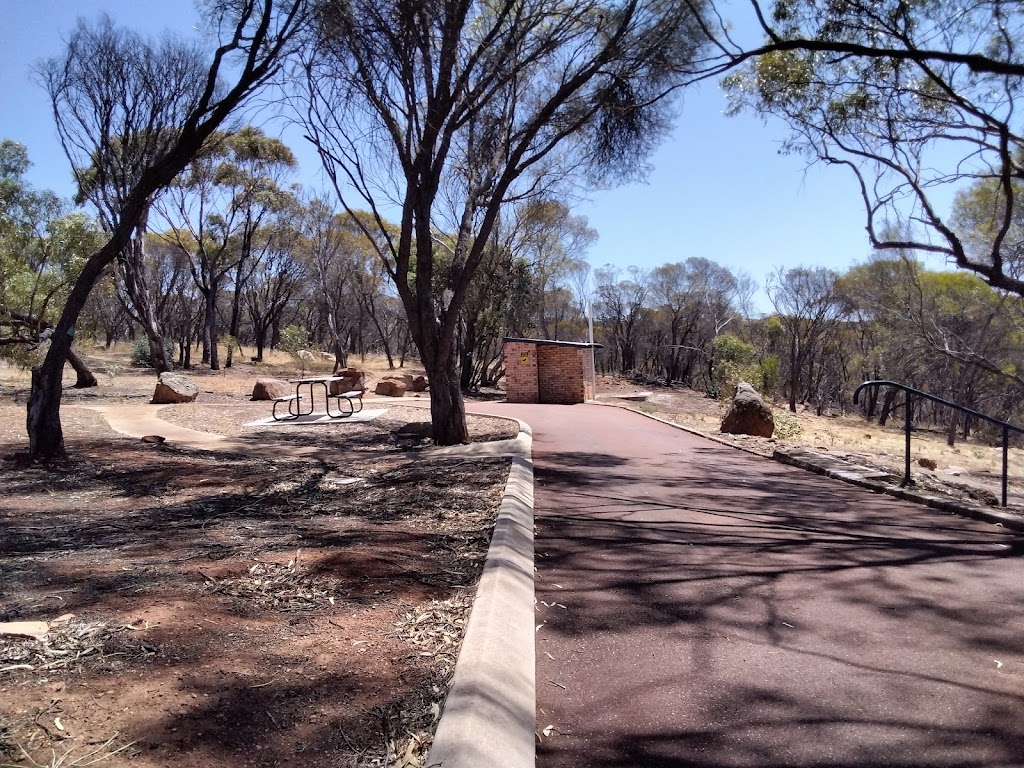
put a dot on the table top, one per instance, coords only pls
(316, 379)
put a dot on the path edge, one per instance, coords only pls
(490, 712)
(951, 506)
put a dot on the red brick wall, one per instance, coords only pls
(521, 384)
(561, 374)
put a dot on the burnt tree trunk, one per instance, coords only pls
(794, 373)
(210, 324)
(887, 403)
(133, 272)
(86, 378)
(45, 435)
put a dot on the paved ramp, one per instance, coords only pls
(704, 607)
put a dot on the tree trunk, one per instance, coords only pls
(447, 408)
(371, 310)
(872, 402)
(86, 378)
(210, 331)
(45, 436)
(887, 403)
(340, 354)
(133, 273)
(261, 340)
(236, 311)
(466, 357)
(794, 374)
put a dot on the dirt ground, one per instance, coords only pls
(970, 470)
(212, 609)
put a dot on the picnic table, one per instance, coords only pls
(351, 399)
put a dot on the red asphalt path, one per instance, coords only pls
(700, 606)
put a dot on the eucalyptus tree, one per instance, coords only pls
(275, 280)
(915, 99)
(100, 90)
(217, 206)
(438, 113)
(808, 306)
(25, 216)
(553, 241)
(42, 248)
(339, 257)
(256, 172)
(501, 301)
(679, 312)
(622, 307)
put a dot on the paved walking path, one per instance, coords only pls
(699, 606)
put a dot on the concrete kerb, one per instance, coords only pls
(489, 716)
(1006, 520)
(490, 713)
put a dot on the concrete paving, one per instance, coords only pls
(699, 606)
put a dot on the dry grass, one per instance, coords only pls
(976, 460)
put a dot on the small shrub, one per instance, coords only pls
(141, 357)
(112, 369)
(770, 374)
(647, 407)
(292, 340)
(786, 425)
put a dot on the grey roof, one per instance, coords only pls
(552, 343)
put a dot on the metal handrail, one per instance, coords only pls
(1006, 426)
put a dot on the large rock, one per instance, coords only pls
(174, 388)
(352, 380)
(413, 382)
(748, 414)
(390, 388)
(271, 389)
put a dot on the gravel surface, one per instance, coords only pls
(230, 420)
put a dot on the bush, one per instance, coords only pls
(292, 340)
(734, 362)
(786, 425)
(771, 375)
(141, 358)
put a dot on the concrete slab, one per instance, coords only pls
(319, 418)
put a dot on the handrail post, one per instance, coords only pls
(907, 416)
(906, 426)
(1006, 450)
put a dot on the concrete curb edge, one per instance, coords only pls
(490, 713)
(1010, 522)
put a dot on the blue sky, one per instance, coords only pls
(719, 188)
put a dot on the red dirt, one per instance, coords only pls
(196, 637)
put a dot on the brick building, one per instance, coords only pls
(541, 371)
